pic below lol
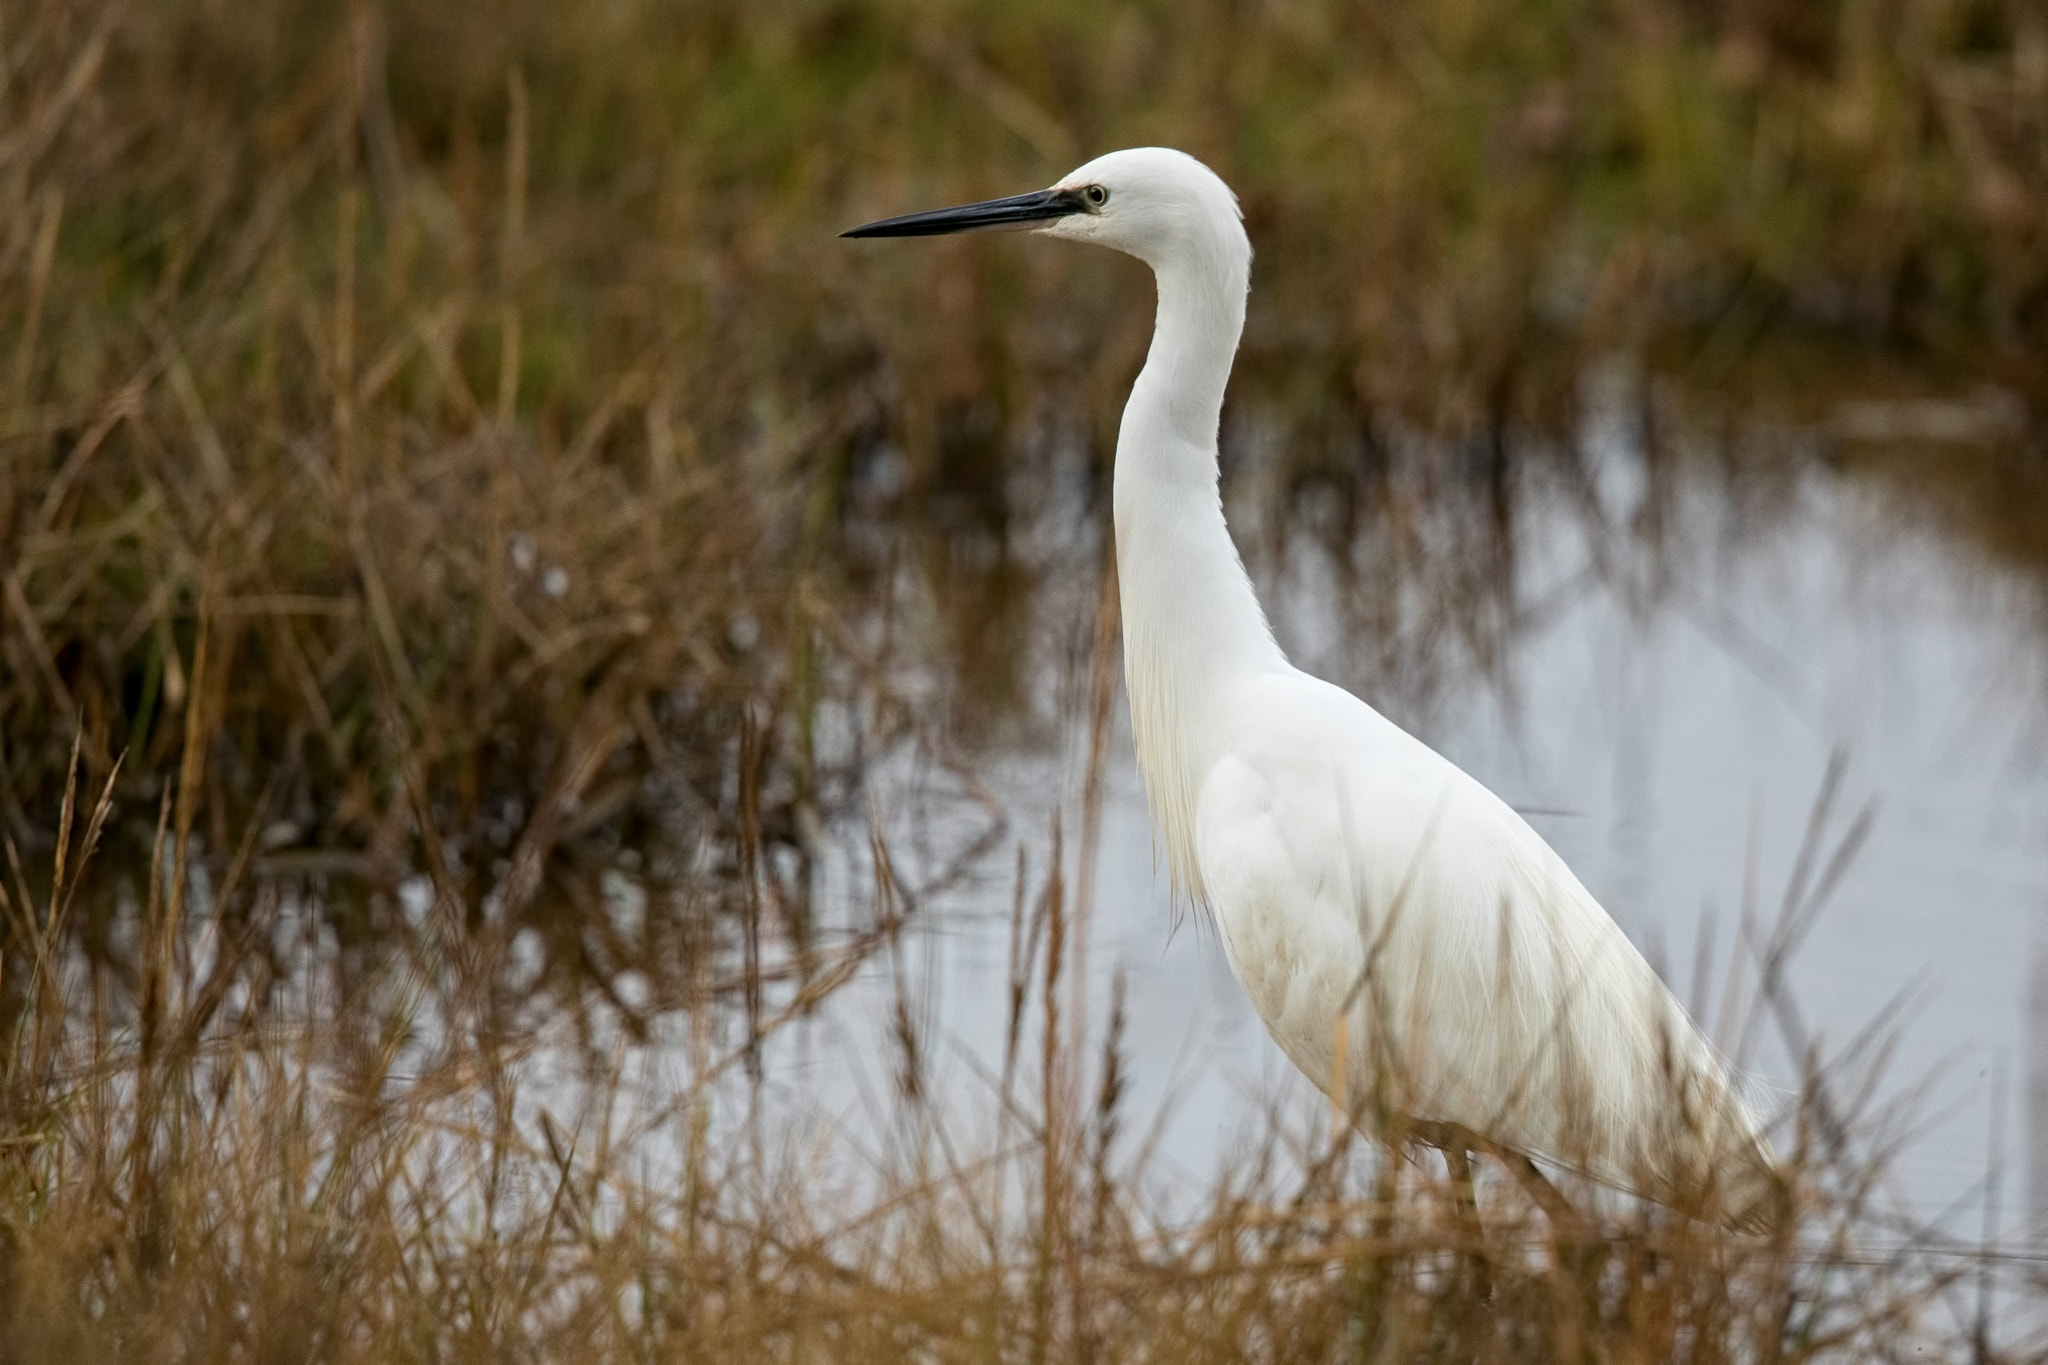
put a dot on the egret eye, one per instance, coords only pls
(1096, 195)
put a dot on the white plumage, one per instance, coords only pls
(1410, 942)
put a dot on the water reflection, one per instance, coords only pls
(2037, 1094)
(1654, 635)
(1652, 626)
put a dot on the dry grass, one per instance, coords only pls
(441, 447)
(258, 1167)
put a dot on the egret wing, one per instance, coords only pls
(1416, 948)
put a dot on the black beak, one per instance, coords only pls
(1036, 207)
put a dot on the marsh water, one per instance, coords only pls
(1744, 671)
(1722, 672)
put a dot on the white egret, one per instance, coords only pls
(1410, 942)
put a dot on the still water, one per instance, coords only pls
(1664, 704)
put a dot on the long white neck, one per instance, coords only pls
(1192, 624)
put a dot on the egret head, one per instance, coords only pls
(1149, 202)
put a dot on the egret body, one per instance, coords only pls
(1410, 942)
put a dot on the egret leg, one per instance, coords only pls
(1466, 1202)
(1576, 1249)
(1566, 1222)
(1459, 1161)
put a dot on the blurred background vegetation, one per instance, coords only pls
(448, 416)
(448, 440)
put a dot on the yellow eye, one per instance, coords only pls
(1096, 195)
